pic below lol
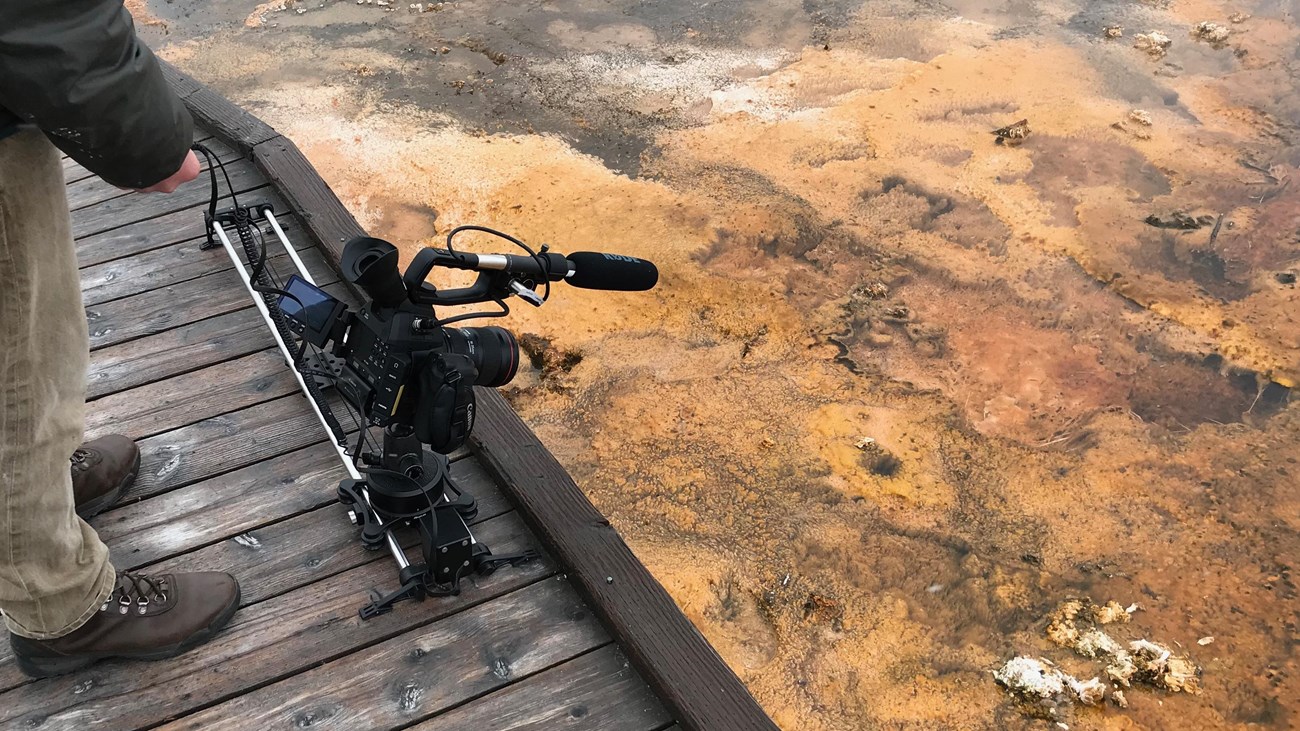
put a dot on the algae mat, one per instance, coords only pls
(903, 389)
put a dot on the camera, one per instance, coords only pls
(392, 363)
(399, 366)
(396, 363)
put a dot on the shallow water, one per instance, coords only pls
(1060, 399)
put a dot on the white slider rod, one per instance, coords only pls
(284, 240)
(393, 546)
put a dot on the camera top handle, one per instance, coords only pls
(496, 272)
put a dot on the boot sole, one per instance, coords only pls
(48, 667)
(109, 499)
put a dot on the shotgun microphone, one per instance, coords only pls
(594, 270)
(584, 269)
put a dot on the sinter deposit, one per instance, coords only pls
(1076, 625)
(1037, 680)
(1155, 43)
(1211, 32)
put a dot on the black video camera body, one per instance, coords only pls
(396, 363)
(391, 367)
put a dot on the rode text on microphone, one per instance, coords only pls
(395, 367)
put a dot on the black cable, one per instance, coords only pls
(505, 310)
(258, 282)
(542, 262)
(213, 196)
(499, 234)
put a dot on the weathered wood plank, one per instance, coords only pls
(147, 531)
(140, 533)
(295, 178)
(699, 689)
(596, 692)
(415, 675)
(171, 228)
(165, 308)
(137, 207)
(176, 351)
(159, 268)
(91, 190)
(213, 112)
(244, 513)
(280, 557)
(224, 443)
(190, 397)
(149, 270)
(267, 641)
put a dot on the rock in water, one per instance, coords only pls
(1013, 134)
(1211, 33)
(1036, 680)
(1155, 43)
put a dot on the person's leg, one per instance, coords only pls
(54, 570)
(64, 604)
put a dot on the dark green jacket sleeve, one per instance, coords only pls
(76, 70)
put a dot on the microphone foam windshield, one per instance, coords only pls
(594, 270)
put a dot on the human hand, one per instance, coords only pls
(189, 171)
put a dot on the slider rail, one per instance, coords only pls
(259, 301)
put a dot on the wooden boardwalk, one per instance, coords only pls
(237, 476)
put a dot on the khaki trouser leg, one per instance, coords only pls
(54, 570)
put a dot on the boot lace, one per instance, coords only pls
(79, 458)
(136, 590)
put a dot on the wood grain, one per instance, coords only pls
(274, 639)
(223, 444)
(248, 523)
(170, 228)
(598, 691)
(214, 113)
(173, 352)
(159, 267)
(699, 689)
(162, 309)
(147, 531)
(282, 556)
(414, 675)
(135, 207)
(190, 397)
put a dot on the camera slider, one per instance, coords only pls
(410, 486)
(407, 485)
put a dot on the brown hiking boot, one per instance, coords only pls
(145, 618)
(102, 471)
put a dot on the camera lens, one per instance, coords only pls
(494, 350)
